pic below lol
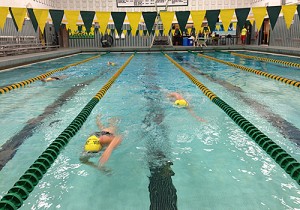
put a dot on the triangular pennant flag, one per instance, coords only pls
(33, 19)
(41, 16)
(18, 15)
(273, 13)
(72, 17)
(252, 21)
(212, 18)
(288, 13)
(259, 14)
(141, 32)
(226, 16)
(134, 20)
(149, 19)
(87, 18)
(241, 15)
(198, 17)
(182, 18)
(118, 18)
(56, 16)
(189, 30)
(103, 18)
(167, 18)
(3, 15)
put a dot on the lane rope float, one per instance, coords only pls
(281, 157)
(285, 63)
(272, 76)
(25, 185)
(42, 76)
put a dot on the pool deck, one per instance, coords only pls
(17, 60)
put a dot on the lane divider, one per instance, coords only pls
(25, 185)
(42, 76)
(281, 157)
(272, 76)
(285, 63)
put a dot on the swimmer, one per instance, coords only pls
(107, 137)
(48, 79)
(111, 63)
(181, 102)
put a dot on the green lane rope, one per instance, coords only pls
(286, 161)
(272, 76)
(285, 63)
(42, 76)
(21, 189)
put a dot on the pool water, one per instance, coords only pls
(195, 165)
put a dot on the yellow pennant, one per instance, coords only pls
(134, 20)
(3, 15)
(226, 16)
(41, 16)
(288, 13)
(141, 32)
(167, 18)
(19, 15)
(259, 14)
(103, 18)
(198, 17)
(72, 18)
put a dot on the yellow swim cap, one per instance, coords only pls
(181, 103)
(92, 144)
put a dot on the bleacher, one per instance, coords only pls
(14, 45)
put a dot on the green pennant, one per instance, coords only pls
(273, 13)
(182, 18)
(118, 18)
(88, 18)
(149, 18)
(57, 16)
(32, 18)
(212, 18)
(298, 10)
(241, 15)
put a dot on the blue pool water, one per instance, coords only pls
(215, 164)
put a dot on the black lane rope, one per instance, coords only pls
(9, 148)
(261, 73)
(42, 76)
(284, 160)
(21, 189)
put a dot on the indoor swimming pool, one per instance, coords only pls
(168, 159)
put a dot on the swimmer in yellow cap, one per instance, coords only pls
(105, 138)
(181, 102)
(111, 63)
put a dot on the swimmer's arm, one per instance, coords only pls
(106, 154)
(194, 115)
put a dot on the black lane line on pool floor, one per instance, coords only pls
(9, 148)
(287, 129)
(162, 192)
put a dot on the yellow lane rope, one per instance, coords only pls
(204, 89)
(272, 76)
(285, 63)
(42, 76)
(103, 90)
